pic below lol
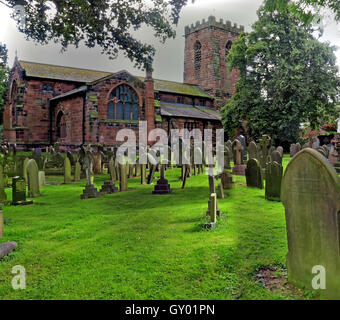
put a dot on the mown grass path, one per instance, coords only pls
(135, 245)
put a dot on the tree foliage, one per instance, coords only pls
(304, 9)
(108, 24)
(4, 75)
(286, 77)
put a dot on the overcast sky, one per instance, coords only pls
(169, 59)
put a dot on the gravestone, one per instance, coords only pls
(254, 174)
(276, 156)
(3, 196)
(6, 248)
(90, 190)
(33, 179)
(67, 171)
(143, 174)
(19, 192)
(280, 150)
(42, 179)
(242, 139)
(123, 186)
(77, 171)
(220, 191)
(227, 158)
(212, 212)
(273, 183)
(265, 144)
(252, 151)
(108, 188)
(238, 168)
(162, 186)
(227, 180)
(25, 169)
(311, 196)
(112, 170)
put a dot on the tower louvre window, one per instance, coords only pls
(227, 49)
(198, 56)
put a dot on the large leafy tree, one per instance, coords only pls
(306, 10)
(4, 74)
(108, 24)
(286, 77)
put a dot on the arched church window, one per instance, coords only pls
(198, 56)
(123, 104)
(61, 126)
(227, 48)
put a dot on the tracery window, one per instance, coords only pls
(123, 104)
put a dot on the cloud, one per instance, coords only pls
(169, 59)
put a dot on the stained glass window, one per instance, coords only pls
(123, 104)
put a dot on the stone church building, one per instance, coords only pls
(48, 103)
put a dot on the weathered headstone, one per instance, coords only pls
(6, 248)
(280, 150)
(108, 188)
(242, 139)
(67, 171)
(77, 171)
(42, 179)
(276, 156)
(3, 196)
(252, 151)
(19, 192)
(123, 185)
(227, 180)
(311, 196)
(212, 212)
(254, 174)
(33, 179)
(273, 182)
(238, 168)
(143, 174)
(220, 191)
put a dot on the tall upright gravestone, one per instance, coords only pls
(67, 171)
(311, 196)
(254, 174)
(33, 179)
(274, 172)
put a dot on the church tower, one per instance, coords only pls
(206, 46)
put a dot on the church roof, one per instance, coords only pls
(48, 71)
(181, 88)
(187, 111)
(54, 72)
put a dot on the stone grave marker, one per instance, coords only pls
(276, 156)
(123, 185)
(220, 191)
(238, 168)
(77, 172)
(252, 151)
(3, 196)
(273, 182)
(33, 179)
(67, 171)
(254, 174)
(2, 223)
(19, 192)
(311, 197)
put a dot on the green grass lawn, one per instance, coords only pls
(135, 245)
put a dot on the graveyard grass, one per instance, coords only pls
(135, 245)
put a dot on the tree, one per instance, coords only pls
(304, 9)
(286, 77)
(105, 23)
(4, 76)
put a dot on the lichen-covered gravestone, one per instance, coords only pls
(19, 192)
(67, 171)
(77, 172)
(33, 179)
(3, 196)
(311, 196)
(252, 151)
(123, 186)
(254, 174)
(276, 157)
(274, 174)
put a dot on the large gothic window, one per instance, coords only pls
(123, 104)
(198, 56)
